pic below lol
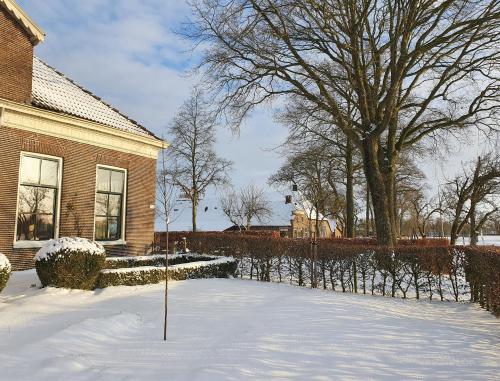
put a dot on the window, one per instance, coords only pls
(109, 204)
(39, 183)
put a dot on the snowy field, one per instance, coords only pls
(239, 330)
(483, 240)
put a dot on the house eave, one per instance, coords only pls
(29, 118)
(36, 33)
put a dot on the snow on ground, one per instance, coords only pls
(483, 240)
(224, 329)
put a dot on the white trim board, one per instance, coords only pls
(61, 126)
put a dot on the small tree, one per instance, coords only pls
(195, 164)
(314, 170)
(166, 197)
(250, 204)
(468, 196)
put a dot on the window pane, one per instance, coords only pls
(100, 228)
(103, 180)
(49, 172)
(30, 170)
(113, 228)
(114, 205)
(44, 227)
(117, 179)
(101, 204)
(26, 227)
(27, 199)
(46, 200)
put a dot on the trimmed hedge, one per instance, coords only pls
(152, 260)
(195, 266)
(70, 263)
(482, 271)
(436, 272)
(160, 239)
(5, 269)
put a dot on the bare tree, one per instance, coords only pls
(401, 65)
(166, 198)
(422, 209)
(195, 164)
(409, 184)
(314, 170)
(250, 204)
(309, 128)
(469, 196)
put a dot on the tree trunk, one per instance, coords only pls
(473, 234)
(454, 233)
(382, 198)
(367, 211)
(194, 211)
(349, 190)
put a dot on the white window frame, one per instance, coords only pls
(27, 244)
(122, 240)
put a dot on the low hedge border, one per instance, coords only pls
(153, 260)
(204, 267)
(444, 272)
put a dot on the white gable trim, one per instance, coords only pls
(36, 33)
(27, 118)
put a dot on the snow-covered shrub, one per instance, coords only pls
(200, 266)
(70, 262)
(5, 269)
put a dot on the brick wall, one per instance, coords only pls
(16, 60)
(78, 187)
(301, 222)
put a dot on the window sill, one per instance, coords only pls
(119, 242)
(28, 244)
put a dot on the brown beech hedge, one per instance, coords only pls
(432, 269)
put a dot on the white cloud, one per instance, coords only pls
(127, 52)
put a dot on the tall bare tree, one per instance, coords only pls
(195, 164)
(309, 128)
(314, 169)
(410, 69)
(246, 206)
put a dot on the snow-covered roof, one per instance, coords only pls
(53, 91)
(211, 218)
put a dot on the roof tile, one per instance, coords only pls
(52, 90)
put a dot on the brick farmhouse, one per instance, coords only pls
(70, 164)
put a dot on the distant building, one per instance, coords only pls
(70, 164)
(296, 219)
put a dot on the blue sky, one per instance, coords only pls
(127, 52)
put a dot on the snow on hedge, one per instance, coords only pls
(138, 258)
(204, 261)
(4, 263)
(195, 266)
(69, 245)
